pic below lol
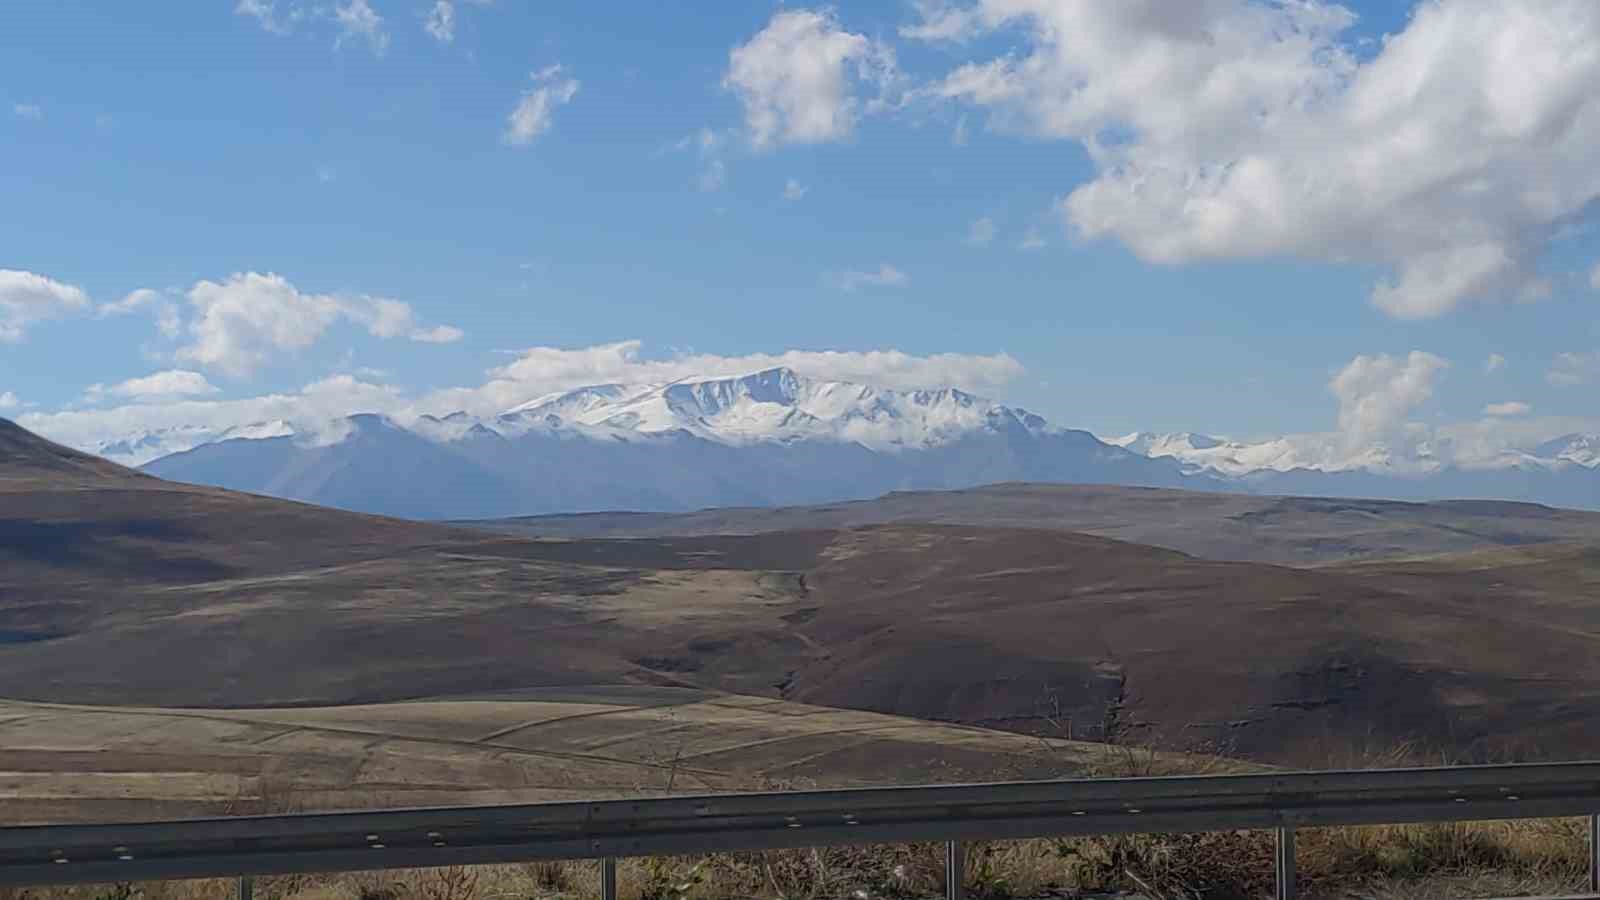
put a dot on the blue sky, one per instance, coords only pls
(161, 146)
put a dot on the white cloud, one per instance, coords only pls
(171, 383)
(1494, 363)
(311, 407)
(794, 190)
(353, 19)
(357, 19)
(1573, 369)
(28, 110)
(169, 320)
(941, 21)
(799, 79)
(1233, 129)
(884, 276)
(1509, 408)
(27, 298)
(536, 109)
(1378, 393)
(441, 21)
(438, 334)
(239, 324)
(8, 400)
(981, 232)
(263, 11)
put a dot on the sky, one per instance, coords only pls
(1236, 217)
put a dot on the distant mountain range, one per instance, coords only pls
(770, 438)
(775, 438)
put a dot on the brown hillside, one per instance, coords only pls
(118, 589)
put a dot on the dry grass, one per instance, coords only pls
(1419, 862)
(1409, 862)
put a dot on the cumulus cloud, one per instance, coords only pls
(1573, 369)
(1377, 394)
(794, 190)
(27, 298)
(802, 77)
(1509, 408)
(1232, 129)
(239, 324)
(8, 400)
(536, 110)
(981, 232)
(310, 408)
(853, 280)
(1494, 363)
(171, 383)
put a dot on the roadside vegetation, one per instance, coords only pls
(1410, 862)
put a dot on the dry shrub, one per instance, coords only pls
(1221, 864)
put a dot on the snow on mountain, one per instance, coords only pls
(776, 405)
(777, 437)
(773, 437)
(138, 449)
(1583, 449)
(1200, 452)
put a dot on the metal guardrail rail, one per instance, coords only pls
(606, 830)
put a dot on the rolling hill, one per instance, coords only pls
(117, 589)
(1286, 530)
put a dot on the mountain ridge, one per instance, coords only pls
(776, 437)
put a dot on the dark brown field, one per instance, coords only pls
(1237, 527)
(119, 589)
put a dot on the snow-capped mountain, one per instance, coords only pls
(778, 437)
(777, 405)
(142, 447)
(1583, 449)
(771, 437)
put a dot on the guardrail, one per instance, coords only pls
(606, 830)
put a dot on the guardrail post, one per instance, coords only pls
(1594, 854)
(954, 869)
(1285, 863)
(608, 878)
(247, 887)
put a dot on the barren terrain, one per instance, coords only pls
(119, 589)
